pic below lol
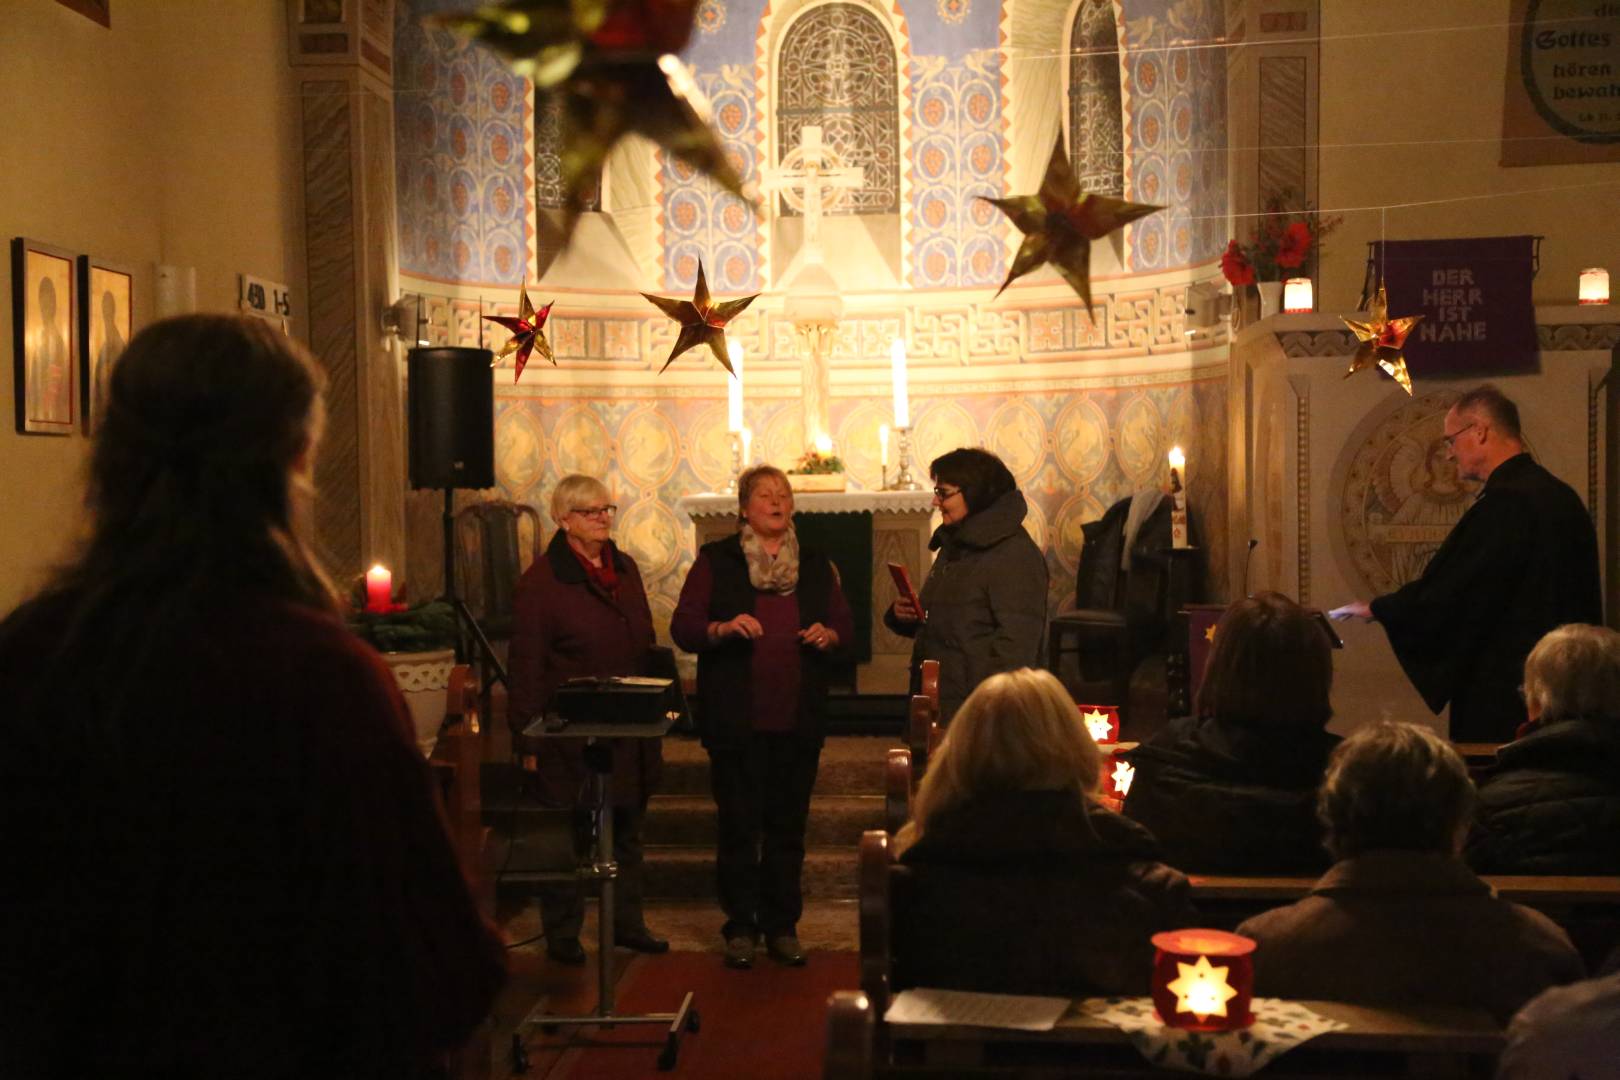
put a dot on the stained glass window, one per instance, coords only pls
(1096, 118)
(838, 68)
(548, 183)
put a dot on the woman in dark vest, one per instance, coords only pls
(766, 619)
(581, 610)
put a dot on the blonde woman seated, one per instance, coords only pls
(1021, 882)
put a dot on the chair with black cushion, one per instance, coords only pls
(495, 542)
(1119, 609)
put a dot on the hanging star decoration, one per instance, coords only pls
(528, 334)
(703, 322)
(1098, 725)
(1059, 222)
(1201, 989)
(1124, 773)
(610, 67)
(1382, 339)
(1209, 633)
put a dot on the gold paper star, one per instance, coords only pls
(703, 322)
(1059, 223)
(1124, 774)
(1201, 989)
(1382, 340)
(528, 333)
(1097, 724)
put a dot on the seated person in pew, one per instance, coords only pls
(1569, 1031)
(1551, 804)
(1021, 882)
(1232, 790)
(1399, 920)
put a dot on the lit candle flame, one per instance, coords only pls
(1178, 459)
(823, 445)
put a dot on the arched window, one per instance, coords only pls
(549, 193)
(838, 69)
(1096, 117)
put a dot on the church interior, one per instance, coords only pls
(379, 179)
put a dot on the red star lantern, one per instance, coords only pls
(1102, 722)
(1203, 980)
(703, 322)
(528, 334)
(1382, 339)
(1059, 222)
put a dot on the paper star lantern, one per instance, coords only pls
(1059, 222)
(528, 334)
(1189, 991)
(1102, 722)
(1123, 776)
(1382, 340)
(612, 64)
(703, 322)
(1209, 632)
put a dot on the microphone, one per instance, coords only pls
(1248, 558)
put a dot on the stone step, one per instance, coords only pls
(690, 820)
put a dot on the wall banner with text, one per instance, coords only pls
(1474, 296)
(1562, 105)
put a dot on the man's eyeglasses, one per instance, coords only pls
(942, 493)
(595, 511)
(1451, 440)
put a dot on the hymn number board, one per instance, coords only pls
(269, 300)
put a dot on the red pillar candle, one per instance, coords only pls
(1203, 980)
(379, 589)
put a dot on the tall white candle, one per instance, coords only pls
(883, 444)
(747, 438)
(902, 403)
(734, 389)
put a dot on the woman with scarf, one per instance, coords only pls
(984, 603)
(581, 610)
(767, 620)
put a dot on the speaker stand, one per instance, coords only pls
(490, 668)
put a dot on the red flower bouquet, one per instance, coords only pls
(1283, 242)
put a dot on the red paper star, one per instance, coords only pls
(528, 333)
(703, 322)
(1382, 340)
(1059, 223)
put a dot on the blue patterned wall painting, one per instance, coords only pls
(956, 147)
(461, 158)
(699, 220)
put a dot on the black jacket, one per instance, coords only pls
(1522, 561)
(1551, 804)
(1225, 798)
(986, 601)
(1033, 892)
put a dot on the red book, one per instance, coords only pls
(902, 582)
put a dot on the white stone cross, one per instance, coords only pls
(810, 179)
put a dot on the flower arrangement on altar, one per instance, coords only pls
(1283, 242)
(818, 463)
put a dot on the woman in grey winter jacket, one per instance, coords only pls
(984, 602)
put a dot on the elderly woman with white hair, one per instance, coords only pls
(581, 610)
(1551, 803)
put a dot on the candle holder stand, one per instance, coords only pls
(902, 473)
(736, 464)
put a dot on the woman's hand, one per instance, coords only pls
(743, 626)
(905, 612)
(819, 637)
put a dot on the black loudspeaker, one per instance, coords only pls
(452, 417)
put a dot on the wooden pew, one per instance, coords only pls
(897, 788)
(861, 1044)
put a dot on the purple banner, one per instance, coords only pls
(1474, 296)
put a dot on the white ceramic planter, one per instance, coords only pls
(424, 679)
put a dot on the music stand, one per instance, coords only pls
(598, 709)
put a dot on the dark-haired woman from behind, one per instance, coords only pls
(984, 602)
(1233, 788)
(226, 857)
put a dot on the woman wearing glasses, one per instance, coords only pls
(581, 610)
(984, 603)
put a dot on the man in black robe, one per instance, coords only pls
(1521, 561)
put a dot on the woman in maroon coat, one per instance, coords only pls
(581, 610)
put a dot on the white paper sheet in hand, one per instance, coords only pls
(976, 1010)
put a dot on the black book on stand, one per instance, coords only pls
(627, 700)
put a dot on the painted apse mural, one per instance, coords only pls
(1082, 406)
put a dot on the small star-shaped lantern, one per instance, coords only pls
(1059, 222)
(1209, 632)
(703, 322)
(1124, 773)
(528, 334)
(1201, 989)
(1099, 724)
(1382, 339)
